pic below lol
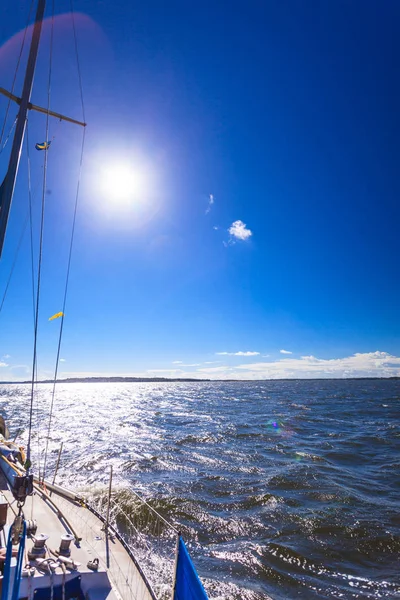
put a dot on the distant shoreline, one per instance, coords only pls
(189, 380)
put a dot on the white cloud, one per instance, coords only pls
(176, 362)
(15, 372)
(163, 371)
(237, 353)
(221, 372)
(285, 352)
(62, 360)
(368, 364)
(6, 356)
(210, 203)
(216, 228)
(239, 231)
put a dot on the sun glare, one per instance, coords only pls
(122, 184)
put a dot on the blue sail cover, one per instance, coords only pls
(187, 584)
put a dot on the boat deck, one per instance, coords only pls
(117, 577)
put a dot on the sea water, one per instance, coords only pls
(282, 489)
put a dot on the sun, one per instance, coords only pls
(123, 184)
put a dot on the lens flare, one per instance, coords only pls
(279, 428)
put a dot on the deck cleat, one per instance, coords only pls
(38, 550)
(64, 549)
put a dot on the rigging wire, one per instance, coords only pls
(14, 262)
(21, 236)
(28, 216)
(32, 269)
(8, 136)
(15, 76)
(77, 60)
(70, 247)
(64, 303)
(34, 362)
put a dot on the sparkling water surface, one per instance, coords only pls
(282, 489)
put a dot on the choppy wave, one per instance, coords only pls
(282, 489)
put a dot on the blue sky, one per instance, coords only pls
(265, 142)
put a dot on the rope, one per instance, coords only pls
(7, 568)
(63, 581)
(70, 247)
(34, 364)
(15, 75)
(18, 569)
(20, 557)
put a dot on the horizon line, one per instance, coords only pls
(128, 379)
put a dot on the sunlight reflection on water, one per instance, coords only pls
(275, 484)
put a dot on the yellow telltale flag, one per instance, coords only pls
(56, 316)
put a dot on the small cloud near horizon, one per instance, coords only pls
(239, 231)
(62, 360)
(164, 371)
(240, 353)
(285, 352)
(182, 364)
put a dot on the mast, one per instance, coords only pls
(8, 185)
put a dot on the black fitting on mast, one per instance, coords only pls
(22, 487)
(7, 187)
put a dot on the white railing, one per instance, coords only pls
(149, 539)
